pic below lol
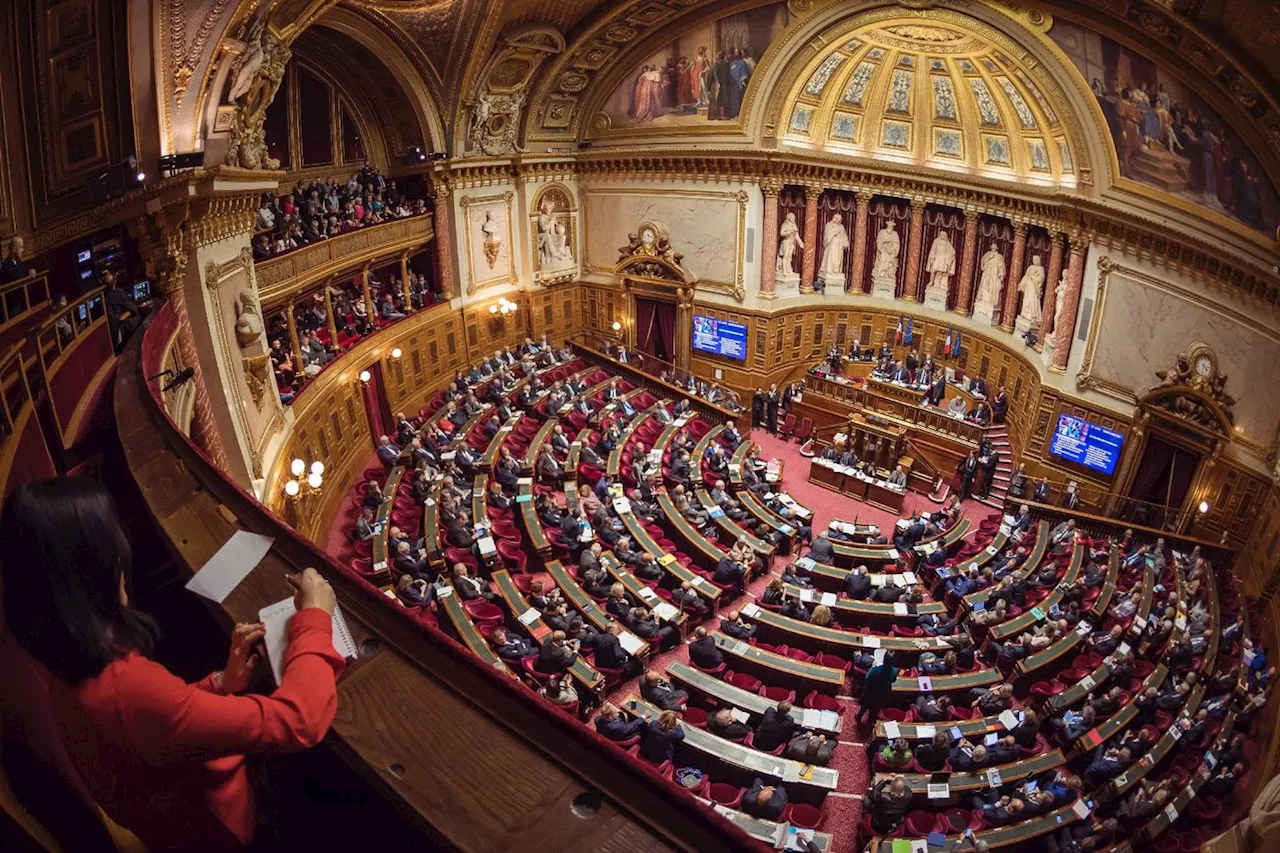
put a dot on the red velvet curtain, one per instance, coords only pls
(375, 402)
(1150, 481)
(656, 328)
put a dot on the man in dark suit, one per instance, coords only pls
(1043, 494)
(810, 748)
(555, 655)
(777, 726)
(615, 727)
(512, 648)
(659, 693)
(1000, 405)
(459, 532)
(608, 648)
(822, 551)
(858, 584)
(733, 626)
(728, 572)
(772, 401)
(968, 470)
(722, 724)
(703, 651)
(765, 801)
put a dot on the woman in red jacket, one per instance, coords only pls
(163, 758)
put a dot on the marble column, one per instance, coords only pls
(204, 429)
(858, 256)
(404, 283)
(368, 295)
(808, 267)
(1010, 307)
(1066, 326)
(968, 258)
(1050, 292)
(770, 188)
(328, 313)
(911, 285)
(442, 224)
(291, 321)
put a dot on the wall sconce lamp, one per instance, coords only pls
(396, 352)
(617, 327)
(1204, 507)
(503, 306)
(365, 376)
(301, 486)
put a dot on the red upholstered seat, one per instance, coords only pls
(921, 823)
(821, 701)
(742, 680)
(483, 611)
(461, 555)
(514, 558)
(777, 694)
(725, 794)
(895, 715)
(695, 716)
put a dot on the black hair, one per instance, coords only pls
(64, 557)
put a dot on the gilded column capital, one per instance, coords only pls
(918, 203)
(863, 195)
(813, 189)
(771, 186)
(1079, 241)
(1019, 227)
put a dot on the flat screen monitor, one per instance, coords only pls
(1087, 444)
(720, 337)
(141, 290)
(83, 256)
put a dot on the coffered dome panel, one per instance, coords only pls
(933, 94)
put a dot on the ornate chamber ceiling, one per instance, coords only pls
(934, 95)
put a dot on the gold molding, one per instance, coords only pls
(1086, 379)
(466, 202)
(735, 288)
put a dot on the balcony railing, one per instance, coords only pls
(280, 276)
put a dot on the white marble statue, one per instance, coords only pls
(788, 241)
(941, 263)
(1029, 286)
(492, 238)
(1059, 297)
(992, 278)
(554, 251)
(248, 321)
(888, 244)
(835, 242)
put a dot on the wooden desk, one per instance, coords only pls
(532, 523)
(865, 612)
(530, 460)
(467, 631)
(909, 687)
(1002, 836)
(583, 673)
(967, 782)
(676, 571)
(613, 466)
(579, 600)
(731, 529)
(977, 727)
(431, 528)
(725, 694)
(1057, 652)
(781, 669)
(647, 597)
(763, 830)
(852, 555)
(1023, 621)
(1034, 556)
(496, 443)
(846, 643)
(381, 559)
(820, 782)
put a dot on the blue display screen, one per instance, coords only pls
(1087, 444)
(719, 336)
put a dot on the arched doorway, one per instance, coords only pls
(659, 295)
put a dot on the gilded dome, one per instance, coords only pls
(936, 95)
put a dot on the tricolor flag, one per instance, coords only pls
(955, 345)
(898, 335)
(946, 347)
(906, 335)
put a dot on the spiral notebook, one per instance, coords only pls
(276, 619)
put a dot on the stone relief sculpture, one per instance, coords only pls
(884, 267)
(835, 242)
(248, 321)
(256, 76)
(788, 241)
(495, 123)
(1029, 286)
(554, 251)
(255, 359)
(492, 240)
(989, 283)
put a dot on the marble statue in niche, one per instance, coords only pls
(1060, 295)
(835, 242)
(989, 283)
(788, 241)
(884, 268)
(1029, 286)
(492, 238)
(554, 251)
(940, 265)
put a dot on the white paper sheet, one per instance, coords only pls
(237, 557)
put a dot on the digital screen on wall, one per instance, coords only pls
(1086, 444)
(719, 337)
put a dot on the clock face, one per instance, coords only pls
(1204, 366)
(647, 237)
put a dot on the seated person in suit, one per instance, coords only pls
(888, 803)
(469, 588)
(649, 627)
(933, 709)
(722, 724)
(555, 654)
(609, 653)
(687, 599)
(729, 573)
(512, 648)
(822, 551)
(732, 625)
(764, 801)
(388, 452)
(659, 692)
(409, 562)
(661, 737)
(646, 567)
(615, 727)
(364, 524)
(703, 651)
(620, 603)
(810, 748)
(775, 727)
(932, 756)
(967, 758)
